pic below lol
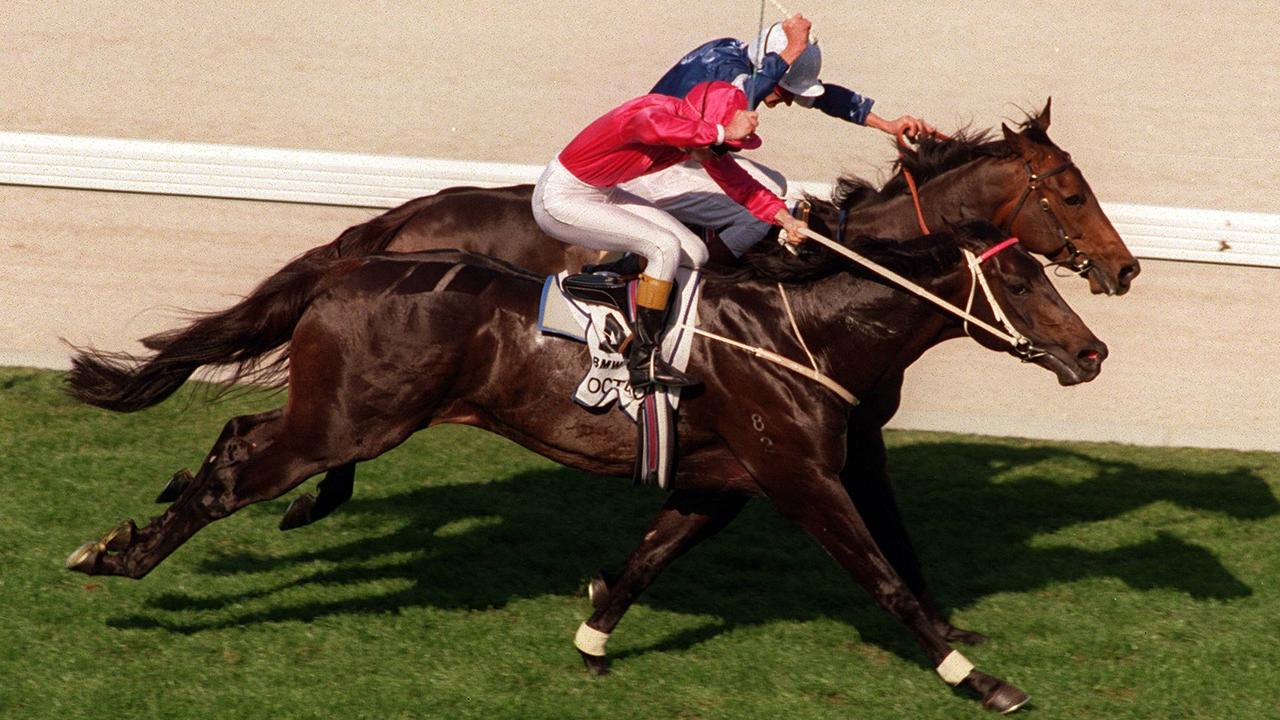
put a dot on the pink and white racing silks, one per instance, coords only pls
(654, 132)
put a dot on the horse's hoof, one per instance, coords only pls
(1004, 698)
(598, 590)
(596, 664)
(121, 538)
(84, 558)
(175, 486)
(299, 512)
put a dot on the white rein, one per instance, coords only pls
(1009, 334)
(1020, 343)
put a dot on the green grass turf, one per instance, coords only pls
(1114, 582)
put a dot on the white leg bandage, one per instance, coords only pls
(954, 668)
(590, 640)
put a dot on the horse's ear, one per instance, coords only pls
(1043, 119)
(1017, 143)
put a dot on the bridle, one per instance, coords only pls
(1075, 260)
(1022, 346)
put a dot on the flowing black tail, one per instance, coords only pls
(242, 336)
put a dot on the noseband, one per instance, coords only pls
(1076, 261)
(1022, 346)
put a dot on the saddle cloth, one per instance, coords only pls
(607, 380)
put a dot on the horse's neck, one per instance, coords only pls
(978, 189)
(983, 188)
(862, 330)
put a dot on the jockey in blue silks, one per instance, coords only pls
(780, 67)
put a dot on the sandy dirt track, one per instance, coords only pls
(1175, 106)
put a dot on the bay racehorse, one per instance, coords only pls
(376, 353)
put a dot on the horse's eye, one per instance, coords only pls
(1018, 288)
(1074, 200)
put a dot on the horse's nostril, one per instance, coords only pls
(1129, 272)
(1089, 358)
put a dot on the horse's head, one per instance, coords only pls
(1056, 214)
(1028, 306)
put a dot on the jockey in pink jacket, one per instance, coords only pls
(577, 200)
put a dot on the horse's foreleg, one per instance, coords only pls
(866, 478)
(252, 460)
(334, 490)
(825, 511)
(686, 519)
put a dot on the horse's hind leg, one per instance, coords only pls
(256, 458)
(686, 519)
(334, 490)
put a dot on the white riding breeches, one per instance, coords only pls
(688, 193)
(613, 219)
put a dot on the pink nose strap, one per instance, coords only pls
(997, 248)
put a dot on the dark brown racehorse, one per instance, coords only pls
(377, 353)
(1023, 182)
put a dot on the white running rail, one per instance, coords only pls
(383, 181)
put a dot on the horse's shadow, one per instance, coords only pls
(977, 512)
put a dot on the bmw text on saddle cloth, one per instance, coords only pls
(603, 329)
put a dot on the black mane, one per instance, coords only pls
(930, 158)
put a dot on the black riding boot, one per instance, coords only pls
(645, 359)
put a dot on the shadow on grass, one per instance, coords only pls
(974, 510)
